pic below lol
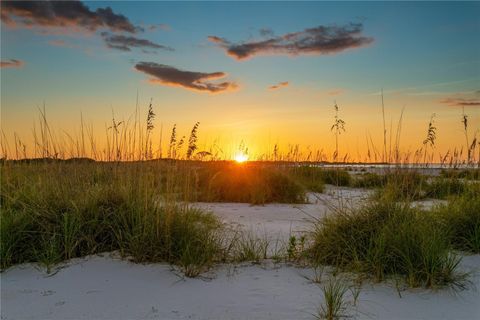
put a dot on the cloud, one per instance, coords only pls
(126, 43)
(279, 85)
(11, 63)
(461, 102)
(319, 40)
(160, 26)
(62, 43)
(266, 32)
(336, 92)
(71, 13)
(197, 81)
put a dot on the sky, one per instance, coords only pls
(254, 74)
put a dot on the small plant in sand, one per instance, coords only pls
(296, 248)
(334, 305)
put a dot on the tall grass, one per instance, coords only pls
(462, 217)
(385, 238)
(57, 211)
(334, 305)
(314, 178)
(256, 184)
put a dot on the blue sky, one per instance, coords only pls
(422, 54)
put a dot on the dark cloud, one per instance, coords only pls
(11, 63)
(197, 81)
(266, 32)
(319, 40)
(461, 102)
(71, 13)
(126, 43)
(279, 85)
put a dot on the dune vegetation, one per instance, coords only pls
(133, 201)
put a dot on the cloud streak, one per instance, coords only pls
(197, 81)
(11, 63)
(126, 43)
(320, 40)
(461, 102)
(279, 85)
(63, 14)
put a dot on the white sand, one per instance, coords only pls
(279, 221)
(102, 287)
(107, 288)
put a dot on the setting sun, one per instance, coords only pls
(241, 157)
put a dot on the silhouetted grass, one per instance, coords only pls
(232, 182)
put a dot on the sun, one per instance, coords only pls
(241, 157)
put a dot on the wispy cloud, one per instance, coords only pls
(62, 14)
(11, 63)
(336, 92)
(197, 81)
(126, 43)
(159, 26)
(318, 41)
(279, 85)
(461, 102)
(266, 32)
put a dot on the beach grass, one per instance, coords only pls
(385, 238)
(54, 212)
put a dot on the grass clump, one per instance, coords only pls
(335, 305)
(369, 180)
(462, 216)
(468, 174)
(314, 178)
(442, 188)
(250, 184)
(57, 211)
(411, 186)
(386, 238)
(402, 185)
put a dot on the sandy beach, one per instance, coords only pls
(106, 287)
